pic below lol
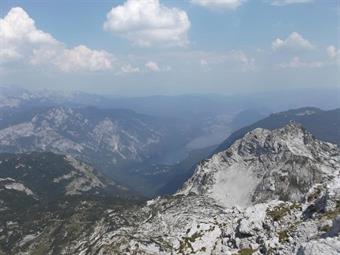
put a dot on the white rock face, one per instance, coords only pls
(329, 246)
(83, 179)
(260, 167)
(11, 184)
(19, 187)
(101, 140)
(253, 219)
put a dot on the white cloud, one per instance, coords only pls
(9, 53)
(241, 57)
(236, 59)
(219, 4)
(294, 41)
(333, 52)
(296, 63)
(21, 39)
(18, 26)
(44, 55)
(152, 66)
(83, 58)
(129, 69)
(149, 23)
(79, 58)
(287, 2)
(18, 35)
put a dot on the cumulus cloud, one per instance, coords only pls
(287, 2)
(294, 41)
(148, 23)
(333, 52)
(152, 66)
(219, 4)
(79, 58)
(83, 58)
(18, 26)
(20, 38)
(18, 34)
(296, 63)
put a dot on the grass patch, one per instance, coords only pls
(185, 243)
(246, 251)
(325, 228)
(278, 212)
(283, 236)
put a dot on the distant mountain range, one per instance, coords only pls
(208, 117)
(114, 141)
(177, 106)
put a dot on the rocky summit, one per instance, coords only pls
(271, 192)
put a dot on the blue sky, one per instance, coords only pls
(145, 47)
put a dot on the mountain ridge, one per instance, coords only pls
(311, 118)
(249, 163)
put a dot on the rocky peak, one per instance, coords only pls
(265, 165)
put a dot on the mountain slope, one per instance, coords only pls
(114, 141)
(46, 176)
(70, 131)
(45, 189)
(292, 208)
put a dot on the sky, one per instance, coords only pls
(170, 47)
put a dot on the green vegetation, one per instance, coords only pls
(185, 243)
(325, 228)
(278, 212)
(194, 237)
(246, 251)
(283, 236)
